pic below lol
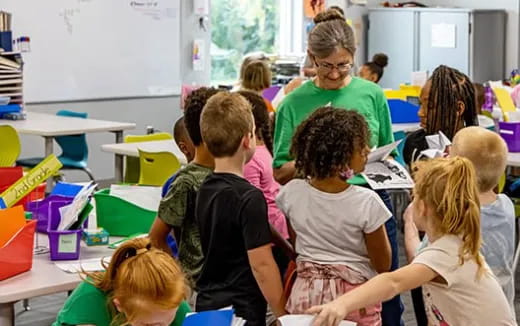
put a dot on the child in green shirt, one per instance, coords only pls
(141, 286)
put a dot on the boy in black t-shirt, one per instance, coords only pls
(239, 268)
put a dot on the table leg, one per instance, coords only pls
(118, 168)
(7, 314)
(49, 142)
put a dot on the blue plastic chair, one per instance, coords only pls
(74, 149)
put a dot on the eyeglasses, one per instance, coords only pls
(327, 67)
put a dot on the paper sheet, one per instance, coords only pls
(142, 196)
(381, 153)
(444, 36)
(437, 145)
(387, 174)
(306, 320)
(69, 214)
(87, 265)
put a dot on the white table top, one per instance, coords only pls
(43, 124)
(513, 159)
(131, 149)
(45, 277)
(406, 127)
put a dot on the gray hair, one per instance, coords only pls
(331, 32)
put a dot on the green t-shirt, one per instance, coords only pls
(363, 96)
(177, 210)
(88, 305)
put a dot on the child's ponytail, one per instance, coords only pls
(449, 186)
(139, 275)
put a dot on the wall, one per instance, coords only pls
(513, 28)
(160, 113)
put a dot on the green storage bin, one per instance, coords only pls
(119, 217)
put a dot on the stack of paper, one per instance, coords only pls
(70, 213)
(11, 77)
(305, 320)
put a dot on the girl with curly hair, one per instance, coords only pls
(338, 229)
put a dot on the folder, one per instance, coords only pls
(210, 318)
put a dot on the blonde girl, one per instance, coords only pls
(141, 286)
(457, 286)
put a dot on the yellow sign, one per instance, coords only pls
(31, 180)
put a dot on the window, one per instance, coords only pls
(240, 27)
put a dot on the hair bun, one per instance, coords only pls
(328, 15)
(380, 59)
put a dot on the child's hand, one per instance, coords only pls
(330, 314)
(408, 214)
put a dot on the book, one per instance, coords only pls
(306, 320)
(10, 81)
(223, 317)
(9, 63)
(382, 172)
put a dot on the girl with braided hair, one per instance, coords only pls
(448, 104)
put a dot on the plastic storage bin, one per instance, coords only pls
(119, 217)
(63, 245)
(510, 132)
(403, 112)
(42, 210)
(16, 256)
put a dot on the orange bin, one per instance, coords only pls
(16, 256)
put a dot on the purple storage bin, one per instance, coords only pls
(41, 210)
(65, 245)
(510, 132)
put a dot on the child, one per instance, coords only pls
(488, 153)
(141, 286)
(447, 105)
(339, 229)
(183, 140)
(176, 210)
(259, 170)
(257, 78)
(248, 58)
(373, 70)
(239, 268)
(458, 287)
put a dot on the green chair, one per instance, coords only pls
(10, 147)
(156, 168)
(132, 163)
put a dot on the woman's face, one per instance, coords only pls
(423, 99)
(333, 70)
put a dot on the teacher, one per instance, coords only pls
(331, 47)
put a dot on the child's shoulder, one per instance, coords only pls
(191, 174)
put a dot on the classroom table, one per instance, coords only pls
(43, 279)
(406, 127)
(513, 159)
(131, 149)
(49, 126)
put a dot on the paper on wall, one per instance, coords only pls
(444, 36)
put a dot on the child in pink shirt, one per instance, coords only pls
(259, 170)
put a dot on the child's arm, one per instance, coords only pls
(282, 243)
(380, 288)
(158, 234)
(411, 235)
(292, 236)
(379, 250)
(268, 277)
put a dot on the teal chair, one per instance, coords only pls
(74, 149)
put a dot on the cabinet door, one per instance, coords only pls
(444, 39)
(393, 33)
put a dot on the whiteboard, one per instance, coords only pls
(94, 49)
